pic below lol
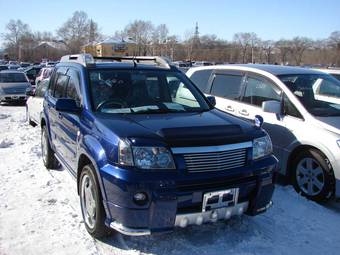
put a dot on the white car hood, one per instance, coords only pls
(330, 123)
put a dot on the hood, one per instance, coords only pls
(181, 129)
(330, 123)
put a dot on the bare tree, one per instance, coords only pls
(334, 41)
(78, 30)
(267, 48)
(298, 46)
(284, 47)
(16, 32)
(141, 32)
(246, 41)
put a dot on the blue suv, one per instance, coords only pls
(148, 150)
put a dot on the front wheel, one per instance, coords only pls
(91, 203)
(313, 175)
(48, 156)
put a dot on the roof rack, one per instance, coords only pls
(162, 62)
(87, 59)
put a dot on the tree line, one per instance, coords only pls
(20, 43)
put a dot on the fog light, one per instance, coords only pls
(183, 223)
(214, 216)
(140, 198)
(228, 214)
(199, 220)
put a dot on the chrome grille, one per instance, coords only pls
(215, 161)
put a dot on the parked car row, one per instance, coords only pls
(150, 152)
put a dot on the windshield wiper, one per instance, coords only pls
(151, 111)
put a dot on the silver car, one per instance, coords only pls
(301, 111)
(14, 86)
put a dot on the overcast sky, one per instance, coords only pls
(270, 19)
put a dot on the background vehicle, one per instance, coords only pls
(34, 104)
(3, 67)
(332, 71)
(142, 143)
(44, 73)
(301, 111)
(13, 86)
(32, 72)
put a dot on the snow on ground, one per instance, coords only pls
(40, 213)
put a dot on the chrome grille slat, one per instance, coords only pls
(212, 158)
(215, 161)
(220, 164)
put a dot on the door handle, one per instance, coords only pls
(229, 108)
(60, 116)
(244, 112)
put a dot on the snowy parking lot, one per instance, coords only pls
(40, 213)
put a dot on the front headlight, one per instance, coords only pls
(262, 147)
(145, 157)
(338, 142)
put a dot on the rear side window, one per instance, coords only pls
(201, 78)
(227, 86)
(73, 86)
(259, 90)
(60, 86)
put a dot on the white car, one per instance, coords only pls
(44, 73)
(34, 104)
(301, 112)
(332, 71)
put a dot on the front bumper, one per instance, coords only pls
(13, 97)
(175, 200)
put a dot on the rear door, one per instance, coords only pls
(56, 90)
(259, 89)
(69, 122)
(227, 87)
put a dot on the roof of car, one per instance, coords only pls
(273, 69)
(116, 65)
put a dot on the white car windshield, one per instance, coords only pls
(319, 93)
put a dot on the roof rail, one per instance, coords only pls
(83, 58)
(87, 59)
(162, 62)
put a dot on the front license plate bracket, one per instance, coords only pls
(220, 199)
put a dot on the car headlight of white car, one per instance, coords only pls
(338, 142)
(145, 157)
(262, 147)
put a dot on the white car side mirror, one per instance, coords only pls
(271, 107)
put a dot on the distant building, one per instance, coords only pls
(51, 50)
(110, 47)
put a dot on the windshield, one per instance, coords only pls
(319, 93)
(143, 91)
(12, 77)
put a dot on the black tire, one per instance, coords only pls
(48, 156)
(321, 172)
(96, 227)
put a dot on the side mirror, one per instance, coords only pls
(272, 107)
(212, 100)
(67, 105)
